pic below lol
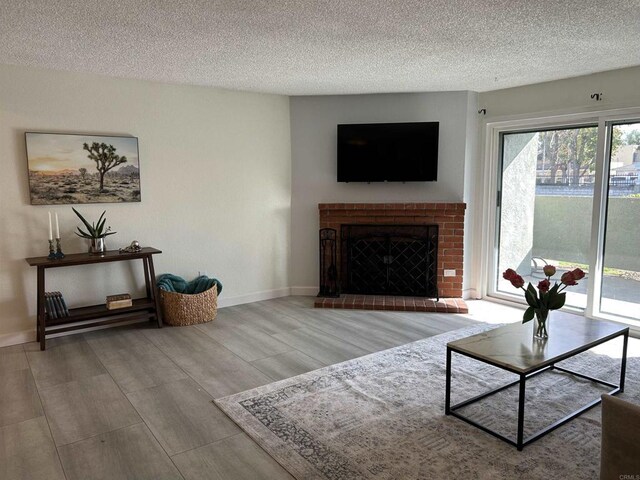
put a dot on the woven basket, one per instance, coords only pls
(181, 309)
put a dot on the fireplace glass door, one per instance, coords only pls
(390, 259)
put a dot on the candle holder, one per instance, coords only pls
(52, 253)
(59, 253)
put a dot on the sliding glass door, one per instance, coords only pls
(620, 292)
(555, 188)
(546, 203)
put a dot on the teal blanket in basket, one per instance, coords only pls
(173, 283)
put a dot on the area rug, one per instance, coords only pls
(382, 417)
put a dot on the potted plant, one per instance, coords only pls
(95, 232)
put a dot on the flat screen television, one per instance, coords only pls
(388, 152)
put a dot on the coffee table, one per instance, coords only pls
(513, 348)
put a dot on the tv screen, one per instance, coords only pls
(388, 152)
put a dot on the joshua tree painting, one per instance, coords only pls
(71, 169)
(105, 157)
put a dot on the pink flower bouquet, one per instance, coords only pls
(547, 297)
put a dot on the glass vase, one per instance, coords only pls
(540, 324)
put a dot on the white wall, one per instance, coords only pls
(215, 181)
(313, 152)
(231, 181)
(618, 87)
(472, 183)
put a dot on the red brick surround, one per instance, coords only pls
(448, 216)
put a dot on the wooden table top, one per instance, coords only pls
(87, 258)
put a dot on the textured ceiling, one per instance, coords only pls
(325, 46)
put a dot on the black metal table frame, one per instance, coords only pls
(521, 442)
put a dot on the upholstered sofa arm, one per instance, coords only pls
(620, 456)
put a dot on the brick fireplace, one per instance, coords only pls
(449, 218)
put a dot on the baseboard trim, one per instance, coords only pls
(253, 297)
(471, 294)
(30, 335)
(16, 338)
(304, 291)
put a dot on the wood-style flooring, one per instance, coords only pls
(136, 402)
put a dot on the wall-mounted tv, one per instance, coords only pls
(388, 152)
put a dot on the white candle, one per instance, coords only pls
(57, 227)
(50, 232)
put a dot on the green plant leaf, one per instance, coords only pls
(94, 230)
(557, 301)
(529, 313)
(89, 228)
(544, 298)
(101, 222)
(82, 234)
(531, 296)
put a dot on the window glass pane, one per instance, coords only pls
(546, 205)
(621, 273)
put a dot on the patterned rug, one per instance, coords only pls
(382, 417)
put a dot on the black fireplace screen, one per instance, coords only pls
(389, 259)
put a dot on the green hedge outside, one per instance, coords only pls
(562, 230)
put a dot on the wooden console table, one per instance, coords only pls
(96, 315)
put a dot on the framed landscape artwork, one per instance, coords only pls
(70, 168)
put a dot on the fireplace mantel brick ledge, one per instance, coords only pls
(450, 220)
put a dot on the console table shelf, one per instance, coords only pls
(96, 315)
